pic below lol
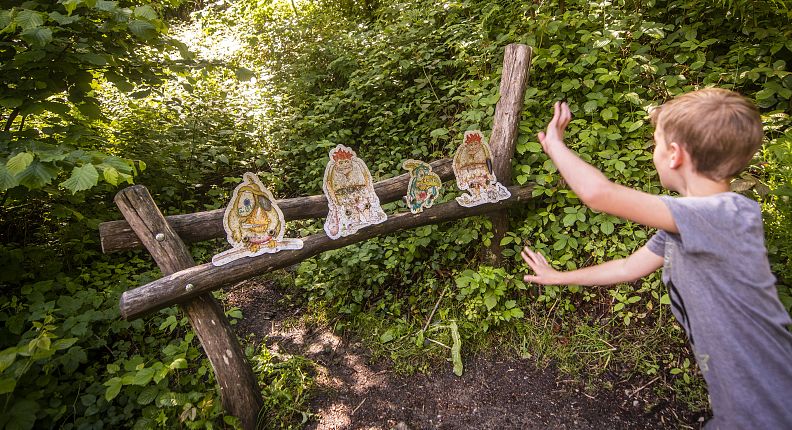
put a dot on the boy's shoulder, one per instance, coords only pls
(724, 206)
(717, 223)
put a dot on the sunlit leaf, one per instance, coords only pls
(113, 388)
(145, 12)
(142, 29)
(16, 164)
(82, 178)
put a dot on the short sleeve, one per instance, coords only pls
(657, 243)
(693, 218)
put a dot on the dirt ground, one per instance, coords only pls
(493, 393)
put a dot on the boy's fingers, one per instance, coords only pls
(528, 259)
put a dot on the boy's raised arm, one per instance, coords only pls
(593, 188)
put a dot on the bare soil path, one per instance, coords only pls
(493, 393)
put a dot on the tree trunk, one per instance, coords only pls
(514, 79)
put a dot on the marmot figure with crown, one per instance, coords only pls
(351, 199)
(473, 171)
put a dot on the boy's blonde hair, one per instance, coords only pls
(720, 129)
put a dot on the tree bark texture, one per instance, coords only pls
(119, 236)
(194, 281)
(503, 140)
(238, 386)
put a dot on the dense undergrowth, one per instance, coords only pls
(271, 87)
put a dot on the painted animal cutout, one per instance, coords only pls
(424, 186)
(351, 199)
(253, 223)
(474, 173)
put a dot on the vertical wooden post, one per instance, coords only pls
(238, 387)
(514, 79)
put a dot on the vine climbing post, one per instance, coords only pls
(238, 387)
(516, 63)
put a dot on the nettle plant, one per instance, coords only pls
(488, 296)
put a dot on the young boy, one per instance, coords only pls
(710, 243)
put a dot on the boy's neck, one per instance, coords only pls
(695, 185)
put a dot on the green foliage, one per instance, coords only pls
(55, 55)
(273, 89)
(487, 296)
(55, 364)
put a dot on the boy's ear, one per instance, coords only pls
(678, 155)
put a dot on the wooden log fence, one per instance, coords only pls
(189, 285)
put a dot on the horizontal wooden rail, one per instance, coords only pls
(118, 235)
(189, 283)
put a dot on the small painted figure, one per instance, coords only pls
(351, 199)
(474, 173)
(253, 223)
(424, 186)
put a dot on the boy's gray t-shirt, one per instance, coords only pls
(724, 295)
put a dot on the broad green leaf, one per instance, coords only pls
(90, 110)
(665, 299)
(146, 12)
(590, 106)
(607, 227)
(5, 18)
(569, 219)
(21, 415)
(18, 163)
(110, 175)
(438, 132)
(29, 56)
(93, 58)
(148, 395)
(119, 81)
(142, 29)
(635, 126)
(7, 385)
(143, 376)
(11, 102)
(113, 388)
(7, 180)
(490, 301)
(64, 343)
(178, 363)
(39, 36)
(517, 313)
(244, 74)
(70, 5)
(63, 19)
(82, 178)
(387, 336)
(118, 163)
(7, 357)
(29, 19)
(107, 6)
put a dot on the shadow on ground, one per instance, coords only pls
(493, 393)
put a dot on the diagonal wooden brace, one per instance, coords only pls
(238, 387)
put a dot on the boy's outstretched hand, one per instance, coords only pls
(544, 274)
(556, 127)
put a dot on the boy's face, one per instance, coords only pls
(662, 159)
